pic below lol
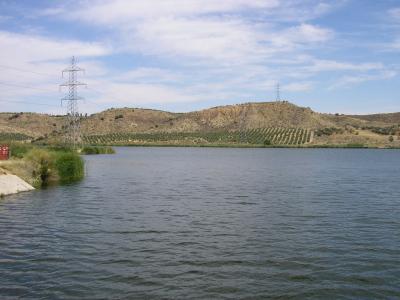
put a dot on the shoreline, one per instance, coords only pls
(11, 184)
(249, 146)
(35, 167)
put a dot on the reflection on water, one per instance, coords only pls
(179, 223)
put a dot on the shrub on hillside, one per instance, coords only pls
(382, 130)
(329, 131)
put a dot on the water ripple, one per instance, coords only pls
(166, 223)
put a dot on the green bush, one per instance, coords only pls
(43, 166)
(90, 150)
(70, 167)
(19, 150)
(383, 130)
(329, 131)
(60, 148)
(355, 145)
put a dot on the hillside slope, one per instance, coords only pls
(393, 118)
(233, 119)
(222, 118)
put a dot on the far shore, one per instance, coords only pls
(314, 146)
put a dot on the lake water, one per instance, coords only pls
(201, 223)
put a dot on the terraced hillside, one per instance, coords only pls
(259, 136)
(9, 136)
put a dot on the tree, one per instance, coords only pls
(267, 142)
(391, 138)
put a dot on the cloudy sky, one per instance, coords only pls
(182, 55)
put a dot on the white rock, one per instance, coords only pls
(11, 184)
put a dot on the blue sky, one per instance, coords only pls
(183, 55)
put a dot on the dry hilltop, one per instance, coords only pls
(267, 123)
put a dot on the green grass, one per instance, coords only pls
(70, 167)
(13, 137)
(47, 165)
(19, 150)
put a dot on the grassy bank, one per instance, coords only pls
(42, 166)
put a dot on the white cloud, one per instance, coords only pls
(298, 87)
(347, 81)
(331, 65)
(305, 10)
(139, 94)
(128, 11)
(31, 65)
(148, 75)
(4, 18)
(302, 35)
(396, 44)
(51, 11)
(27, 48)
(192, 50)
(221, 31)
(395, 13)
(226, 41)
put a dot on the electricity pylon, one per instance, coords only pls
(278, 92)
(242, 125)
(73, 135)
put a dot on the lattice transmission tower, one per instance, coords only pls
(278, 92)
(242, 125)
(73, 132)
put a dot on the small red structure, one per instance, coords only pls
(4, 152)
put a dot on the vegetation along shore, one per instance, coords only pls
(32, 166)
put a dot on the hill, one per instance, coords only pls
(224, 124)
(390, 118)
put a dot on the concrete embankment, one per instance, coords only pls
(11, 184)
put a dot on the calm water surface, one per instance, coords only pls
(197, 223)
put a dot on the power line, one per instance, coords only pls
(242, 124)
(43, 74)
(26, 102)
(25, 87)
(24, 70)
(100, 92)
(41, 89)
(278, 92)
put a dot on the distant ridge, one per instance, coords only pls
(229, 118)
